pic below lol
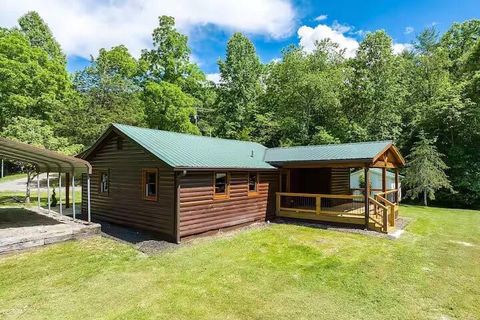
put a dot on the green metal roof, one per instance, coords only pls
(186, 151)
(330, 152)
(180, 150)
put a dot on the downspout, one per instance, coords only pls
(176, 224)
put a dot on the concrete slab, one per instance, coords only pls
(22, 229)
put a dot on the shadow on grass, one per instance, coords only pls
(18, 217)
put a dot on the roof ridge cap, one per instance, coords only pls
(333, 144)
(188, 134)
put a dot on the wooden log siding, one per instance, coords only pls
(340, 181)
(124, 203)
(339, 184)
(200, 212)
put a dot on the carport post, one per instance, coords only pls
(48, 191)
(38, 189)
(60, 191)
(88, 197)
(73, 195)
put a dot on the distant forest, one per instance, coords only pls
(431, 91)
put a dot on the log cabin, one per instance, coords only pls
(180, 185)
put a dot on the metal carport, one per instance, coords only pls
(47, 161)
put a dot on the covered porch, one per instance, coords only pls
(319, 189)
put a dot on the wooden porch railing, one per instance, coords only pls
(320, 203)
(389, 199)
(343, 208)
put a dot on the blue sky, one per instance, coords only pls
(83, 27)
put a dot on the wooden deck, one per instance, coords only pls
(347, 209)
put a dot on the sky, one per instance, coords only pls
(84, 26)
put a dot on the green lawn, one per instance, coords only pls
(278, 272)
(13, 177)
(6, 198)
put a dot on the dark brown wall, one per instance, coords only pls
(340, 181)
(310, 180)
(124, 204)
(200, 212)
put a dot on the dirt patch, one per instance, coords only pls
(463, 243)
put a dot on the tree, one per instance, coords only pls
(375, 95)
(109, 93)
(239, 89)
(169, 61)
(304, 94)
(169, 108)
(40, 134)
(32, 84)
(458, 41)
(427, 41)
(40, 36)
(425, 171)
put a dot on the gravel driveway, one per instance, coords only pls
(21, 184)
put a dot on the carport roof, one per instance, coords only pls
(44, 160)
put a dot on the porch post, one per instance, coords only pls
(397, 184)
(48, 191)
(367, 195)
(73, 194)
(60, 192)
(1, 174)
(67, 190)
(384, 180)
(38, 189)
(88, 198)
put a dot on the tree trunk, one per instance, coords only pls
(27, 194)
(425, 198)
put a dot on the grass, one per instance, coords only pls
(277, 272)
(6, 198)
(12, 177)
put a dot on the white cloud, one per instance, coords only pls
(321, 17)
(338, 33)
(215, 77)
(400, 47)
(82, 27)
(409, 30)
(308, 36)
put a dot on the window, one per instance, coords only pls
(150, 184)
(221, 184)
(252, 182)
(104, 182)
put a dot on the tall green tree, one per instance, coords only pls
(109, 93)
(375, 96)
(40, 36)
(239, 89)
(458, 41)
(169, 108)
(425, 171)
(169, 62)
(304, 92)
(169, 59)
(32, 83)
